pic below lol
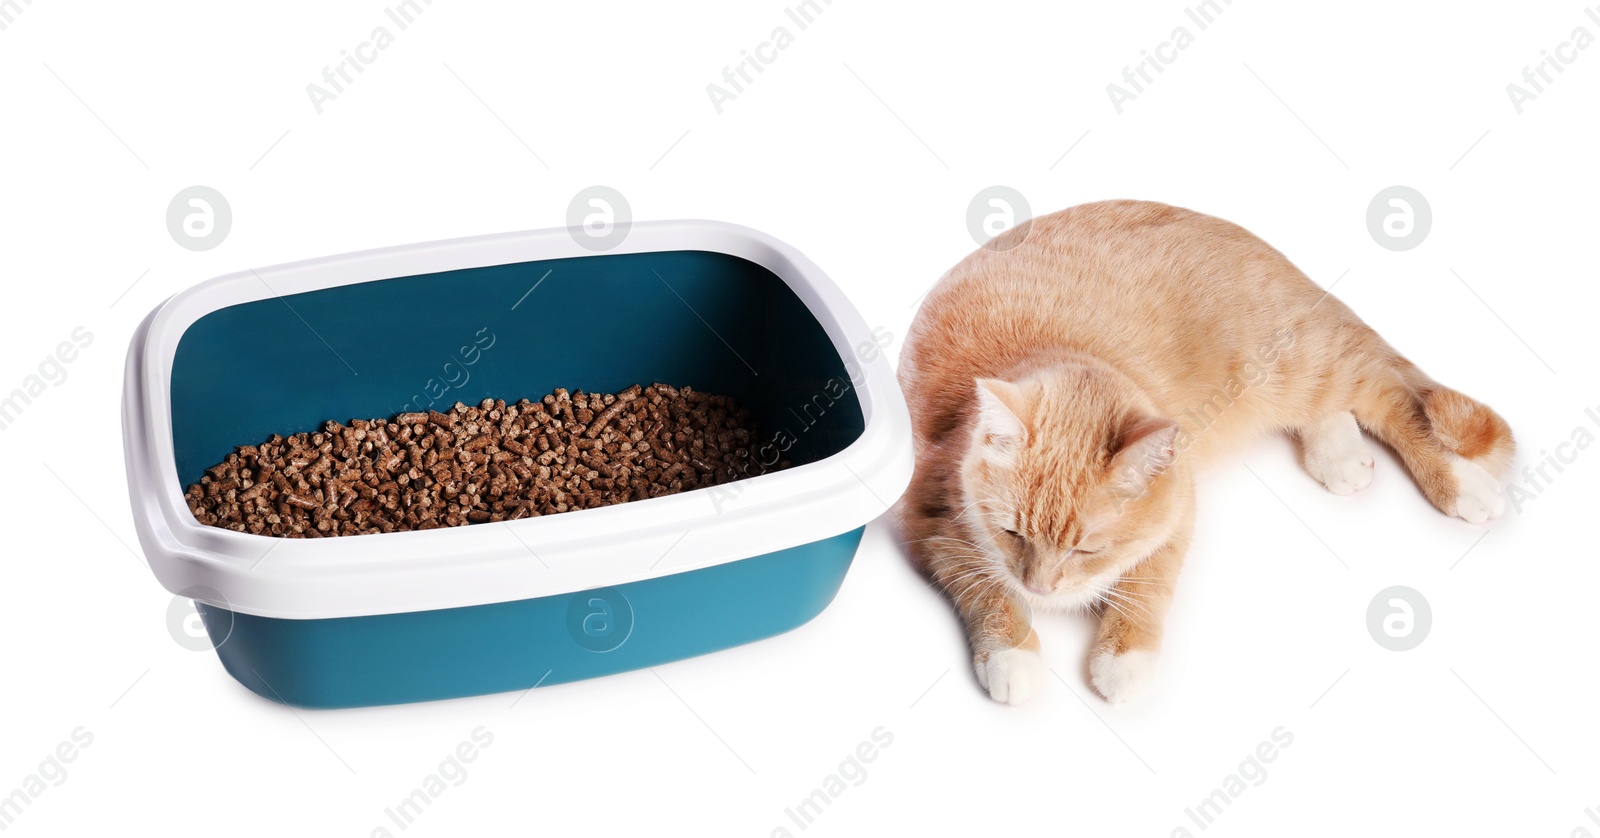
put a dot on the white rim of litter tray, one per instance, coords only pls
(399, 572)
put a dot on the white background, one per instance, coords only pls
(861, 144)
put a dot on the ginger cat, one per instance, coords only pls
(1067, 379)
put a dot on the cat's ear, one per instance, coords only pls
(1001, 406)
(1145, 448)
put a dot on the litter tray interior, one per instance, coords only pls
(711, 321)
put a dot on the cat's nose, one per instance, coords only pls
(1037, 588)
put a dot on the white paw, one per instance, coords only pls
(1343, 464)
(1478, 497)
(1122, 677)
(1011, 675)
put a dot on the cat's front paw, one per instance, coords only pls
(1344, 467)
(1122, 677)
(1010, 675)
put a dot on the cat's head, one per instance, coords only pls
(1062, 480)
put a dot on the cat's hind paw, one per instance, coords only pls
(1478, 496)
(1123, 677)
(1011, 676)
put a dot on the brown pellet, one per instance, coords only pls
(481, 464)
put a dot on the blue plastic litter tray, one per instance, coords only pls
(414, 616)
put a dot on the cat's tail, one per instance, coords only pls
(1456, 448)
(1470, 429)
(1465, 426)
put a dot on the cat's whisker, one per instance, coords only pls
(1127, 607)
(1000, 506)
(985, 587)
(1132, 580)
(968, 577)
(1111, 596)
(961, 541)
(993, 501)
(1148, 605)
(1113, 606)
(977, 584)
(1131, 596)
(970, 560)
(971, 573)
(935, 538)
(974, 545)
(1154, 595)
(966, 564)
(1132, 593)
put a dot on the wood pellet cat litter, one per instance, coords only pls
(492, 462)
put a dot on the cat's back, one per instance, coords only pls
(1133, 282)
(1098, 252)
